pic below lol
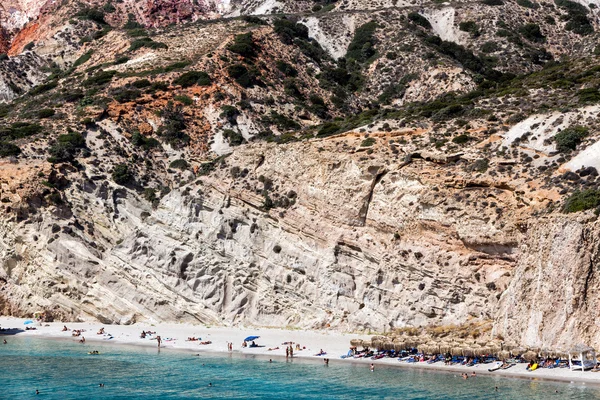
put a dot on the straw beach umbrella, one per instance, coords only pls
(503, 354)
(356, 342)
(444, 347)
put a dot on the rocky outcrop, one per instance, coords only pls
(551, 301)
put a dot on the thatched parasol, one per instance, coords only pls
(508, 346)
(356, 342)
(378, 344)
(444, 347)
(473, 350)
(399, 346)
(388, 346)
(503, 354)
(457, 351)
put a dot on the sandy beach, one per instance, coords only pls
(335, 344)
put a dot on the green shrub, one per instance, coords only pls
(19, 130)
(46, 113)
(244, 45)
(66, 147)
(288, 31)
(489, 47)
(125, 94)
(532, 33)
(147, 43)
(9, 149)
(230, 113)
(137, 32)
(480, 165)
(242, 75)
(569, 138)
(251, 19)
(578, 21)
(282, 122)
(142, 83)
(100, 79)
(589, 95)
(4, 110)
(179, 164)
(173, 126)
(233, 138)
(581, 201)
(528, 4)
(43, 88)
(121, 175)
(362, 46)
(109, 8)
(368, 142)
(470, 27)
(83, 59)
(29, 46)
(461, 139)
(183, 99)
(328, 129)
(175, 66)
(286, 69)
(419, 19)
(144, 142)
(93, 14)
(291, 88)
(192, 78)
(121, 60)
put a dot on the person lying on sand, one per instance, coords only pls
(100, 332)
(64, 329)
(192, 339)
(206, 342)
(273, 348)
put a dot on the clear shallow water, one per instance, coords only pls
(64, 370)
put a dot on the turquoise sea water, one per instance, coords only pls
(64, 370)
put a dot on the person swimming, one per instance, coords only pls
(372, 367)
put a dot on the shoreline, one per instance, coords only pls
(334, 343)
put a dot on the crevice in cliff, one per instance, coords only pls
(364, 211)
(590, 270)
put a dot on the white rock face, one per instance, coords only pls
(335, 39)
(363, 245)
(442, 23)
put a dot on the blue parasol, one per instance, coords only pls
(251, 338)
(28, 322)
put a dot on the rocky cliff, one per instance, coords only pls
(349, 165)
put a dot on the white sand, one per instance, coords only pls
(334, 343)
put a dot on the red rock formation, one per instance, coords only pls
(28, 34)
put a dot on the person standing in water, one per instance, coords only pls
(291, 351)
(372, 367)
